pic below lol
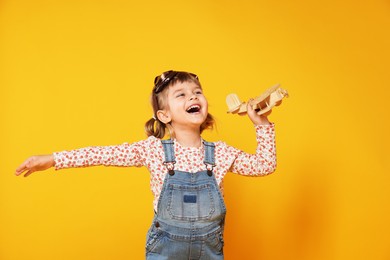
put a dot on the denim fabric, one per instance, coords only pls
(191, 212)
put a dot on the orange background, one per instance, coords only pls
(79, 73)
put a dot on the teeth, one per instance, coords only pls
(194, 107)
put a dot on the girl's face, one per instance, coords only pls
(186, 106)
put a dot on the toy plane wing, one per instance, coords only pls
(262, 104)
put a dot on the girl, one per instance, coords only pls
(186, 172)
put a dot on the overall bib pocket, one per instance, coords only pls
(190, 203)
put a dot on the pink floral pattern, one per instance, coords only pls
(150, 153)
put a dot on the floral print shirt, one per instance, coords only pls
(150, 153)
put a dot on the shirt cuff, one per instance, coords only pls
(270, 126)
(57, 159)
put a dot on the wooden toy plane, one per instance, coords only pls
(262, 104)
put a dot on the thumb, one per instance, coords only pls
(250, 110)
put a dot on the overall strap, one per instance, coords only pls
(169, 152)
(209, 157)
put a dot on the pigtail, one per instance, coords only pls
(208, 123)
(154, 127)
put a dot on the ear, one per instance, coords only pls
(163, 116)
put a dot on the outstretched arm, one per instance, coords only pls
(134, 154)
(35, 163)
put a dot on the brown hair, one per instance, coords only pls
(154, 127)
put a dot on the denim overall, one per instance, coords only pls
(191, 213)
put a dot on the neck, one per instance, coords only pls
(188, 138)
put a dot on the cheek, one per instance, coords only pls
(175, 105)
(206, 104)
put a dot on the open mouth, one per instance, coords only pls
(193, 109)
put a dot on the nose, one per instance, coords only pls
(193, 96)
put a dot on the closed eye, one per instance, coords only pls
(198, 91)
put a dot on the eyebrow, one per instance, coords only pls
(177, 90)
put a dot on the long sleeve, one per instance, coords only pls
(263, 162)
(116, 155)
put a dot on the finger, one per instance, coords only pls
(22, 167)
(19, 173)
(250, 109)
(20, 170)
(249, 104)
(28, 173)
(26, 165)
